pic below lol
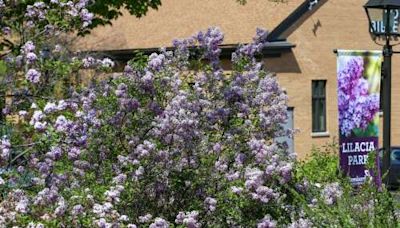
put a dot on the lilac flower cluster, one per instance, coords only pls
(267, 222)
(162, 137)
(189, 219)
(357, 107)
(37, 11)
(5, 148)
(90, 62)
(331, 193)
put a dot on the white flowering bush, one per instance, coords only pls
(174, 141)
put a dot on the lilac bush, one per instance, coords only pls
(357, 107)
(159, 145)
(173, 141)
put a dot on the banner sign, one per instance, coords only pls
(358, 74)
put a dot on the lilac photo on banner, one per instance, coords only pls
(358, 74)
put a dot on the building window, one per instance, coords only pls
(318, 106)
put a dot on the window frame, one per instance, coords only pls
(318, 97)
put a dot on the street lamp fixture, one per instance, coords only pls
(384, 18)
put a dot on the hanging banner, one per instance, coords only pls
(358, 74)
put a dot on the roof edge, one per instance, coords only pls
(306, 7)
(270, 49)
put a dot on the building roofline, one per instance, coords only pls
(305, 8)
(271, 49)
(277, 44)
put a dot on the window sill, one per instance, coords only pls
(320, 134)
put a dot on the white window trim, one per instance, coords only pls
(320, 134)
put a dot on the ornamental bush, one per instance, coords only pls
(173, 141)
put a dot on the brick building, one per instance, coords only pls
(304, 34)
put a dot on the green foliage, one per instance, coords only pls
(321, 166)
(364, 206)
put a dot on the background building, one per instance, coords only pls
(304, 34)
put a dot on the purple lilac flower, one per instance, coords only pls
(210, 41)
(6, 30)
(121, 90)
(128, 104)
(50, 107)
(77, 210)
(88, 62)
(189, 219)
(261, 36)
(86, 17)
(254, 178)
(156, 61)
(159, 223)
(210, 204)
(55, 153)
(5, 148)
(356, 107)
(128, 70)
(28, 47)
(31, 57)
(264, 194)
(33, 76)
(36, 11)
(145, 218)
(331, 193)
(236, 190)
(267, 222)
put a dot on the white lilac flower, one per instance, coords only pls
(108, 63)
(22, 113)
(301, 223)
(37, 116)
(40, 126)
(22, 206)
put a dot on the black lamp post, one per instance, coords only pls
(383, 16)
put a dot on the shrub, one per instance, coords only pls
(172, 142)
